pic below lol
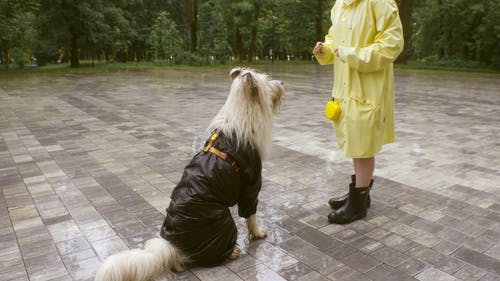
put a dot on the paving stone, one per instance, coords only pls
(442, 262)
(446, 247)
(295, 272)
(390, 256)
(399, 243)
(470, 272)
(223, 273)
(428, 226)
(88, 161)
(412, 266)
(315, 237)
(272, 256)
(479, 245)
(312, 276)
(360, 262)
(316, 259)
(477, 259)
(490, 277)
(432, 274)
(385, 273)
(366, 244)
(347, 274)
(494, 251)
(339, 250)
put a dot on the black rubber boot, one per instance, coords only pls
(354, 208)
(337, 202)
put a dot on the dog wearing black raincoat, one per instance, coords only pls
(198, 228)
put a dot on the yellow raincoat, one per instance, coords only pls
(369, 37)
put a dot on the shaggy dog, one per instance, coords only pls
(198, 228)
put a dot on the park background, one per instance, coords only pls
(453, 34)
(90, 154)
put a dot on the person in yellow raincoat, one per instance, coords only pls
(365, 38)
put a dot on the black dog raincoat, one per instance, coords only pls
(198, 221)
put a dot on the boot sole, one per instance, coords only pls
(337, 204)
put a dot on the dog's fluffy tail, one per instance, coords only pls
(158, 257)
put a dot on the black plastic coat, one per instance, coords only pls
(198, 220)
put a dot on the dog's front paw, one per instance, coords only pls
(259, 234)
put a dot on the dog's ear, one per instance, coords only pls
(250, 85)
(235, 72)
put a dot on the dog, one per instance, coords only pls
(198, 229)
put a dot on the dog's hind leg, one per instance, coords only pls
(235, 254)
(254, 231)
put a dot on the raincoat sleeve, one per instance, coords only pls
(327, 56)
(388, 42)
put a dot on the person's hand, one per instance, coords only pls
(318, 49)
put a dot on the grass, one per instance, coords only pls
(87, 67)
(91, 67)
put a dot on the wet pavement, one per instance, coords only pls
(88, 161)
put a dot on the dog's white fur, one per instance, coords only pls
(252, 124)
(248, 112)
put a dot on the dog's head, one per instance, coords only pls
(248, 113)
(258, 87)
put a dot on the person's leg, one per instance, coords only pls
(337, 202)
(357, 201)
(364, 168)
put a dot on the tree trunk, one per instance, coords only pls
(75, 52)
(253, 42)
(318, 21)
(192, 12)
(440, 50)
(405, 12)
(239, 45)
(4, 56)
(7, 57)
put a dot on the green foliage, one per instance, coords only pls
(447, 31)
(214, 32)
(164, 38)
(458, 30)
(187, 58)
(17, 30)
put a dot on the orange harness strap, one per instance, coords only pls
(220, 154)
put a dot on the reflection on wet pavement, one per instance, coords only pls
(88, 161)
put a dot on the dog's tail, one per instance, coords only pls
(158, 257)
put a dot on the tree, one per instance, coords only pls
(487, 37)
(257, 6)
(192, 16)
(405, 12)
(213, 39)
(17, 30)
(164, 38)
(72, 24)
(116, 40)
(297, 27)
(445, 30)
(241, 10)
